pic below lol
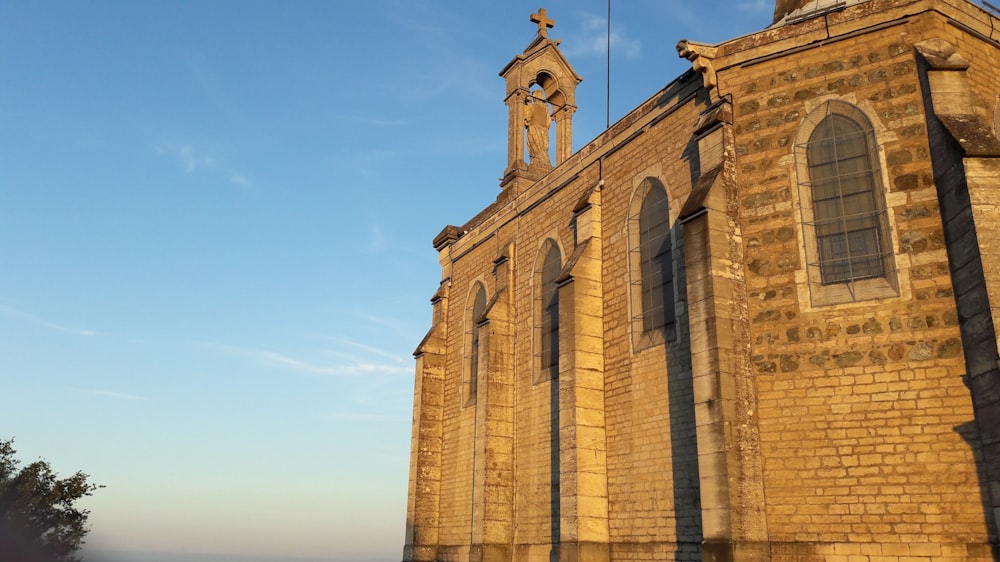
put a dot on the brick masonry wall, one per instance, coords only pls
(858, 403)
(652, 454)
(649, 405)
(459, 421)
(536, 461)
(534, 515)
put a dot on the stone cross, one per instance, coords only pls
(543, 21)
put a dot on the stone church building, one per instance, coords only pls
(756, 319)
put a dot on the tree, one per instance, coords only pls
(39, 519)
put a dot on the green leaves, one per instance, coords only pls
(39, 519)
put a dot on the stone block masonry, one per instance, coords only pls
(787, 411)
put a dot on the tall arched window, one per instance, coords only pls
(848, 248)
(474, 313)
(845, 213)
(652, 265)
(547, 304)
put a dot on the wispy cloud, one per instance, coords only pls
(451, 82)
(110, 394)
(346, 367)
(191, 159)
(367, 349)
(439, 33)
(187, 156)
(203, 70)
(12, 312)
(389, 323)
(592, 39)
(377, 240)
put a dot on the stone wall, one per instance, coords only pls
(860, 404)
(652, 454)
(772, 427)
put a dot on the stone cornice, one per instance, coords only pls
(850, 21)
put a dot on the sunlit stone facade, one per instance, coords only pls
(755, 319)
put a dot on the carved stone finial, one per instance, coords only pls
(543, 22)
(701, 56)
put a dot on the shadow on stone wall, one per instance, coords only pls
(972, 301)
(554, 471)
(683, 437)
(969, 431)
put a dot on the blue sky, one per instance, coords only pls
(215, 230)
